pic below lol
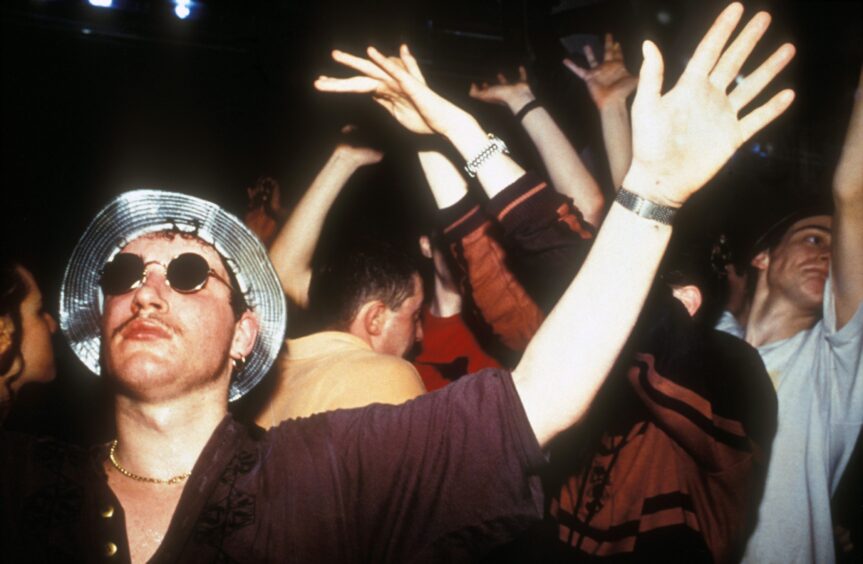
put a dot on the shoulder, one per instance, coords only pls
(387, 370)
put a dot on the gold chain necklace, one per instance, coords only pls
(123, 471)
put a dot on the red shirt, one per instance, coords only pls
(449, 351)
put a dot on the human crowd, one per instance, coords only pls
(551, 377)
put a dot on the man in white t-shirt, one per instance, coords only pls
(806, 320)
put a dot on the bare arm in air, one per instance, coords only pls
(294, 246)
(680, 139)
(848, 220)
(568, 174)
(609, 84)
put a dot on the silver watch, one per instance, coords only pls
(645, 208)
(495, 145)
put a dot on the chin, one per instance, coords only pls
(141, 376)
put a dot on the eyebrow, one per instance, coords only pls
(815, 227)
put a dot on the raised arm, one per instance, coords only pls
(681, 140)
(567, 173)
(848, 220)
(609, 85)
(294, 246)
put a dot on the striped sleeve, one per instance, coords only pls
(709, 392)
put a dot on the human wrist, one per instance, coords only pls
(611, 104)
(520, 98)
(468, 137)
(652, 186)
(346, 158)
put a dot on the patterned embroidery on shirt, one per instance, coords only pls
(222, 518)
(242, 463)
(233, 510)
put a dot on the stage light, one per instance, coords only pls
(101, 3)
(182, 9)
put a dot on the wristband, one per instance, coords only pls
(495, 145)
(526, 109)
(645, 208)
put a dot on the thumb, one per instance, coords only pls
(650, 75)
(575, 69)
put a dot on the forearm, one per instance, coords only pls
(848, 219)
(447, 184)
(577, 345)
(469, 139)
(294, 246)
(567, 172)
(617, 137)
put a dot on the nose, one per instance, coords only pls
(150, 294)
(51, 322)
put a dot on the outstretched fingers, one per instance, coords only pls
(732, 59)
(356, 84)
(576, 70)
(522, 73)
(753, 84)
(395, 70)
(763, 115)
(588, 54)
(650, 75)
(711, 45)
(608, 49)
(361, 65)
(411, 64)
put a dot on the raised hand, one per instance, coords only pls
(397, 84)
(357, 155)
(513, 95)
(682, 139)
(606, 82)
(384, 89)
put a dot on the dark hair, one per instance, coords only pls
(344, 282)
(13, 290)
(699, 263)
(774, 234)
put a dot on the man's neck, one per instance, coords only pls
(770, 321)
(164, 439)
(446, 301)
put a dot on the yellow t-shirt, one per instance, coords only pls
(336, 370)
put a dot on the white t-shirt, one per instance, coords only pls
(817, 375)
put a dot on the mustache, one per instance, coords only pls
(155, 320)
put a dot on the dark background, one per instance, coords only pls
(96, 101)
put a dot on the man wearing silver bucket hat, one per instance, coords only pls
(184, 297)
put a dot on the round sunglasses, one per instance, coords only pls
(186, 273)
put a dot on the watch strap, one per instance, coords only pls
(645, 208)
(495, 145)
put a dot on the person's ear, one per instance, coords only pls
(373, 317)
(690, 296)
(762, 260)
(425, 246)
(245, 333)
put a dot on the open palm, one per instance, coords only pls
(682, 139)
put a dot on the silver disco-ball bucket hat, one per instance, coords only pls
(141, 212)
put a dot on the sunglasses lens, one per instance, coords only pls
(121, 273)
(188, 272)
